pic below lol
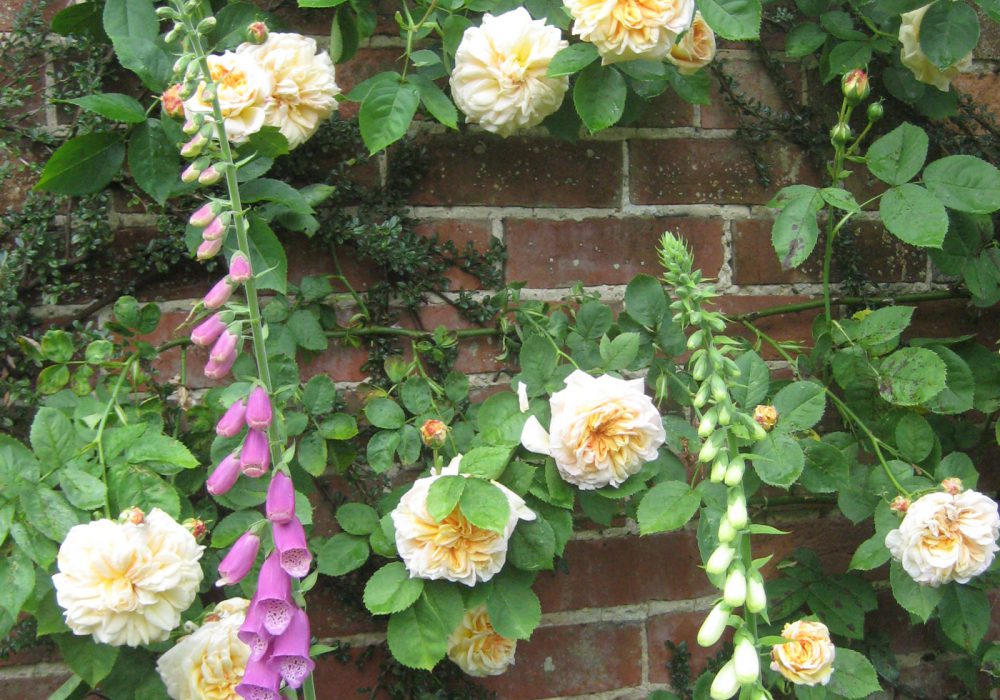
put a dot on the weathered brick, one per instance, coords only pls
(461, 232)
(602, 251)
(676, 627)
(710, 171)
(523, 172)
(31, 686)
(750, 82)
(366, 63)
(337, 679)
(797, 326)
(330, 615)
(984, 88)
(667, 110)
(954, 317)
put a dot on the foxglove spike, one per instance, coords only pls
(290, 651)
(239, 560)
(224, 476)
(290, 542)
(255, 457)
(280, 505)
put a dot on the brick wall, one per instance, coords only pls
(592, 212)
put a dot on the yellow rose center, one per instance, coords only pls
(229, 78)
(637, 14)
(610, 435)
(456, 542)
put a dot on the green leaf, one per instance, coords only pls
(232, 527)
(391, 590)
(795, 230)
(268, 190)
(153, 160)
(667, 506)
(357, 518)
(382, 449)
(135, 485)
(956, 397)
(949, 31)
(513, 607)
(914, 437)
(267, 257)
(735, 20)
(914, 216)
(911, 596)
(384, 413)
(161, 449)
(572, 59)
(17, 581)
(416, 395)
(619, 353)
(82, 19)
(418, 636)
(57, 346)
(882, 325)
(911, 376)
(130, 18)
(438, 104)
(964, 183)
(49, 513)
(750, 388)
(484, 505)
(386, 113)
(99, 351)
(112, 105)
(231, 25)
(593, 320)
(826, 470)
(599, 96)
(853, 675)
(86, 658)
(319, 395)
(695, 89)
(342, 554)
(898, 156)
(147, 59)
(840, 199)
(312, 453)
(965, 615)
(840, 25)
(52, 438)
(800, 406)
(870, 554)
(443, 496)
(533, 545)
(645, 300)
(307, 331)
(486, 462)
(804, 39)
(778, 460)
(37, 546)
(339, 426)
(83, 490)
(83, 165)
(849, 55)
(958, 464)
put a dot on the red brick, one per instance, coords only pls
(944, 319)
(366, 63)
(601, 251)
(335, 679)
(573, 660)
(461, 232)
(31, 687)
(667, 110)
(676, 627)
(331, 616)
(476, 354)
(710, 171)
(797, 326)
(751, 82)
(525, 172)
(659, 567)
(984, 88)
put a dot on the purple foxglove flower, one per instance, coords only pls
(225, 346)
(219, 294)
(215, 229)
(290, 651)
(259, 412)
(252, 632)
(239, 560)
(231, 422)
(209, 248)
(224, 476)
(218, 370)
(239, 268)
(203, 216)
(290, 543)
(210, 175)
(255, 457)
(260, 682)
(208, 331)
(274, 596)
(280, 506)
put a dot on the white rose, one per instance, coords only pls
(477, 648)
(696, 49)
(304, 88)
(603, 429)
(453, 549)
(625, 30)
(499, 80)
(243, 88)
(914, 58)
(808, 658)
(946, 537)
(209, 663)
(125, 583)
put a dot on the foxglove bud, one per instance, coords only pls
(224, 476)
(290, 651)
(231, 423)
(215, 231)
(206, 25)
(734, 472)
(206, 332)
(746, 662)
(280, 504)
(756, 596)
(707, 424)
(727, 533)
(209, 248)
(238, 560)
(719, 467)
(737, 511)
(708, 450)
(204, 215)
(210, 175)
(434, 433)
(224, 346)
(218, 370)
(173, 105)
(193, 124)
(219, 294)
(256, 34)
(735, 591)
(259, 682)
(274, 596)
(290, 543)
(259, 413)
(239, 268)
(714, 625)
(193, 148)
(192, 171)
(720, 560)
(255, 457)
(725, 684)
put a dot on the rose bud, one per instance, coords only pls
(257, 34)
(259, 682)
(196, 527)
(224, 476)
(855, 86)
(173, 105)
(231, 423)
(280, 504)
(209, 248)
(206, 332)
(259, 413)
(952, 485)
(290, 651)
(290, 543)
(255, 457)
(219, 294)
(434, 433)
(238, 560)
(239, 268)
(133, 515)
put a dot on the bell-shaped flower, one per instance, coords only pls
(252, 632)
(232, 421)
(290, 651)
(280, 504)
(290, 542)
(238, 560)
(259, 413)
(206, 332)
(255, 457)
(224, 476)
(260, 682)
(219, 294)
(274, 596)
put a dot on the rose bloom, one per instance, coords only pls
(625, 30)
(603, 429)
(914, 58)
(500, 81)
(808, 658)
(208, 664)
(125, 583)
(243, 88)
(304, 88)
(453, 549)
(946, 537)
(696, 49)
(477, 648)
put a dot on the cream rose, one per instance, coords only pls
(603, 429)
(127, 583)
(208, 664)
(499, 80)
(625, 30)
(243, 88)
(696, 49)
(914, 58)
(808, 658)
(304, 88)
(946, 537)
(477, 648)
(453, 549)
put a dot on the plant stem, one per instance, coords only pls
(99, 439)
(818, 303)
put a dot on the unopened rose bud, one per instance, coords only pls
(196, 527)
(132, 515)
(193, 148)
(855, 86)
(756, 595)
(766, 416)
(840, 134)
(720, 560)
(900, 504)
(875, 111)
(256, 33)
(714, 625)
(434, 433)
(725, 684)
(746, 661)
(953, 485)
(735, 591)
(239, 269)
(173, 105)
(203, 215)
(210, 176)
(209, 248)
